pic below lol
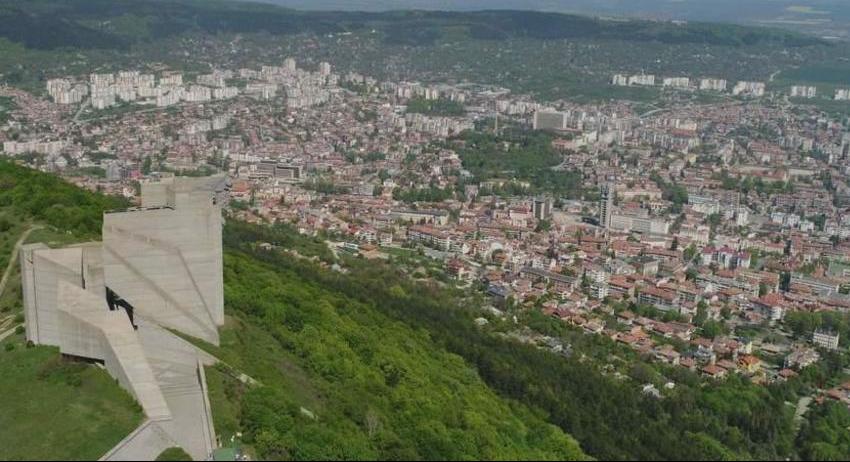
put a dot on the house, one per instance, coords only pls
(594, 326)
(626, 317)
(500, 294)
(801, 358)
(646, 266)
(620, 287)
(682, 330)
(785, 374)
(825, 338)
(460, 270)
(560, 282)
(713, 371)
(730, 366)
(771, 306)
(725, 257)
(688, 363)
(840, 393)
(749, 363)
(667, 355)
(664, 300)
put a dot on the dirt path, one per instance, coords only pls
(14, 258)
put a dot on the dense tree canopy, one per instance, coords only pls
(379, 389)
(826, 434)
(53, 200)
(440, 107)
(611, 418)
(520, 154)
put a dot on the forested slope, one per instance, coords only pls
(371, 387)
(610, 417)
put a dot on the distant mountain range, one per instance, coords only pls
(117, 24)
(821, 17)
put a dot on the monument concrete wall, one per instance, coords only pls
(165, 260)
(28, 290)
(43, 270)
(166, 263)
(89, 330)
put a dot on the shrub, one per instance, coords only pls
(174, 453)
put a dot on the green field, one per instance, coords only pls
(59, 410)
(224, 392)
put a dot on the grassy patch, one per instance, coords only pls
(225, 392)
(11, 227)
(53, 237)
(10, 300)
(174, 453)
(54, 409)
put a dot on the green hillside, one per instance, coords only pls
(52, 408)
(611, 418)
(31, 194)
(547, 54)
(340, 380)
(51, 24)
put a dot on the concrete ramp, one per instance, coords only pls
(145, 443)
(178, 369)
(90, 330)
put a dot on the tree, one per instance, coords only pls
(689, 253)
(712, 329)
(702, 314)
(543, 226)
(147, 165)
